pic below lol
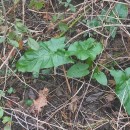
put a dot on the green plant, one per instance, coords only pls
(67, 4)
(122, 79)
(109, 17)
(54, 53)
(5, 119)
(36, 4)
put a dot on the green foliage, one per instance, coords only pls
(63, 27)
(7, 127)
(36, 4)
(53, 53)
(2, 39)
(1, 112)
(122, 90)
(110, 17)
(6, 119)
(78, 70)
(2, 94)
(20, 27)
(50, 54)
(33, 44)
(100, 77)
(68, 4)
(14, 43)
(16, 1)
(85, 49)
(11, 90)
(28, 102)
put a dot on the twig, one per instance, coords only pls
(66, 79)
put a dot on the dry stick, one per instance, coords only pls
(118, 25)
(5, 62)
(67, 102)
(19, 78)
(23, 10)
(5, 18)
(41, 122)
(66, 79)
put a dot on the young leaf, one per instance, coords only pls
(63, 27)
(36, 4)
(2, 39)
(123, 93)
(20, 27)
(50, 54)
(28, 102)
(14, 43)
(118, 75)
(78, 70)
(33, 44)
(100, 77)
(1, 112)
(85, 49)
(10, 90)
(2, 94)
(122, 87)
(6, 119)
(121, 10)
(127, 72)
(7, 127)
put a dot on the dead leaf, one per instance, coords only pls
(31, 94)
(110, 97)
(20, 42)
(73, 105)
(40, 102)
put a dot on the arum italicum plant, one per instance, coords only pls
(53, 53)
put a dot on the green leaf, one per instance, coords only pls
(101, 78)
(10, 90)
(1, 112)
(123, 86)
(72, 8)
(36, 4)
(16, 1)
(50, 54)
(78, 70)
(7, 127)
(28, 102)
(2, 39)
(63, 27)
(20, 27)
(2, 94)
(121, 10)
(85, 49)
(118, 75)
(123, 92)
(127, 72)
(6, 119)
(93, 23)
(14, 43)
(33, 44)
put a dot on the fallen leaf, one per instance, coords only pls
(20, 42)
(40, 102)
(110, 97)
(94, 97)
(73, 105)
(31, 94)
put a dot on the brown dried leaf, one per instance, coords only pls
(73, 105)
(39, 103)
(110, 97)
